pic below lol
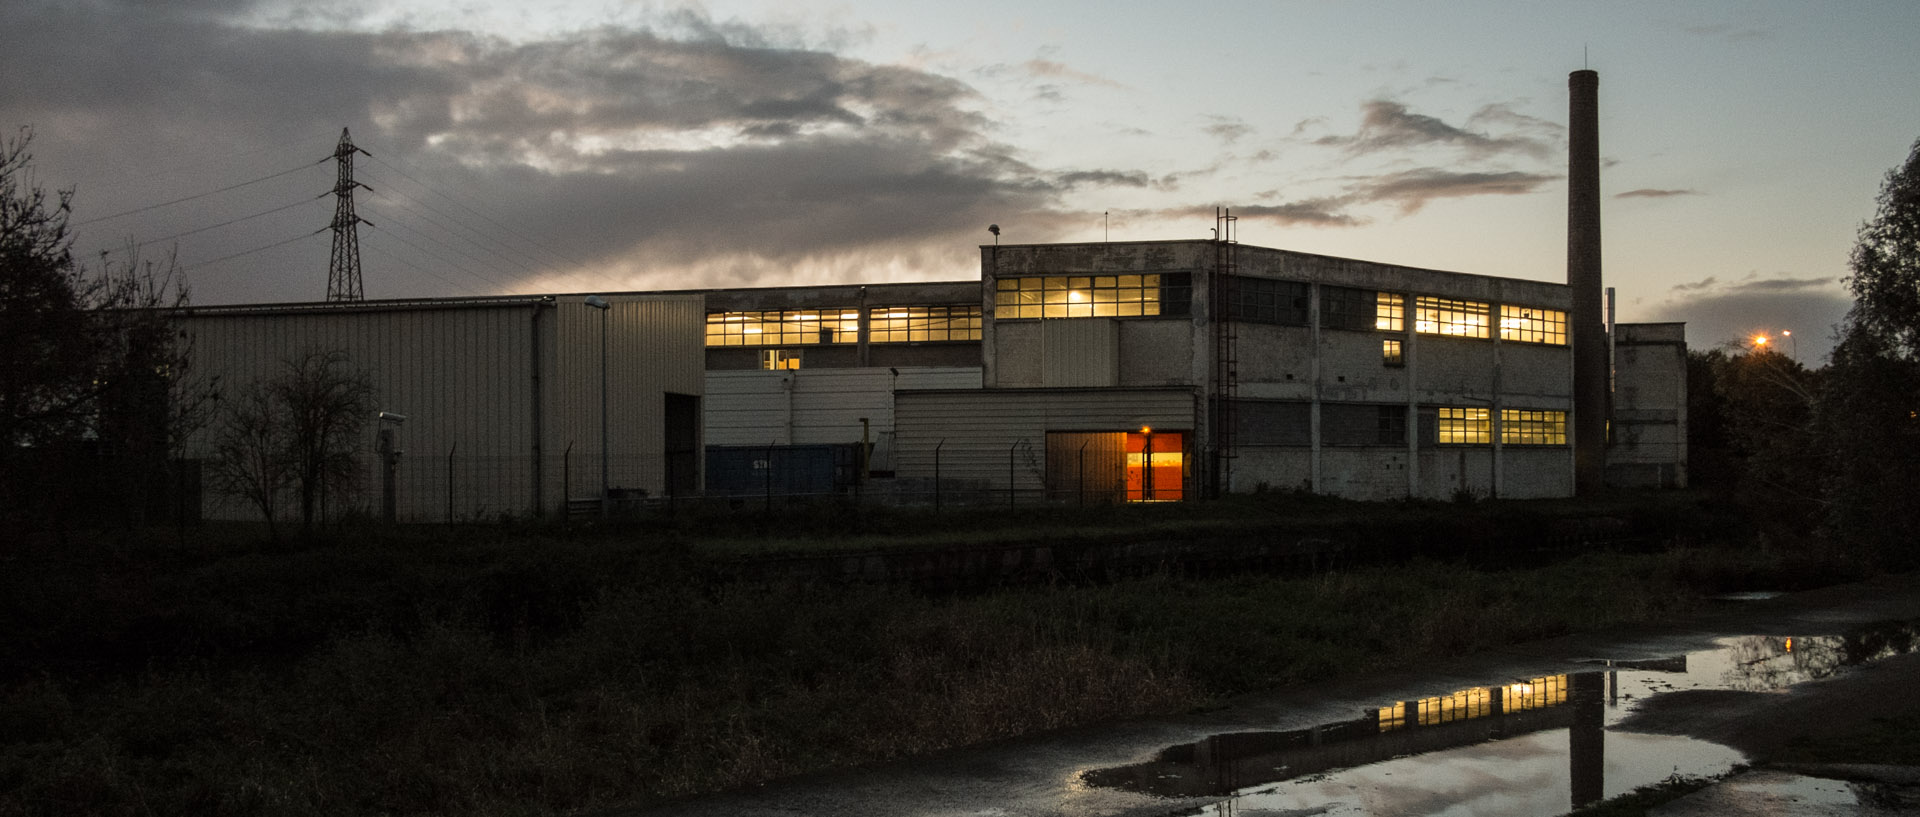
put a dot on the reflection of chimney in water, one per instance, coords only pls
(1583, 275)
(1587, 737)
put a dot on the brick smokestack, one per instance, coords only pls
(1590, 397)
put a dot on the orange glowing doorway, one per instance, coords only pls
(1156, 466)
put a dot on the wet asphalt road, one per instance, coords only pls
(1041, 776)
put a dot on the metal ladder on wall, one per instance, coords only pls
(1226, 344)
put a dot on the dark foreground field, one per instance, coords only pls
(536, 670)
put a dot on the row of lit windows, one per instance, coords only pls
(1477, 702)
(887, 324)
(1474, 426)
(1264, 300)
(1091, 296)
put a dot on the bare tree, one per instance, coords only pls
(327, 403)
(249, 456)
(299, 431)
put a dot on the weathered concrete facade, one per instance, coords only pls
(1309, 400)
(1649, 447)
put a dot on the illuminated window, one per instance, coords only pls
(1444, 316)
(1361, 309)
(780, 359)
(1465, 426)
(912, 324)
(1264, 300)
(1390, 353)
(1529, 427)
(1093, 296)
(793, 327)
(1527, 324)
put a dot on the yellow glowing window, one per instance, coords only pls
(1444, 316)
(1361, 309)
(1389, 312)
(913, 324)
(1528, 324)
(1390, 353)
(1530, 427)
(1092, 296)
(1465, 426)
(780, 359)
(793, 327)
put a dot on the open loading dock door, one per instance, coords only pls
(1108, 467)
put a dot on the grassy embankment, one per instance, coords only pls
(514, 671)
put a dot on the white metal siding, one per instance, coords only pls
(981, 433)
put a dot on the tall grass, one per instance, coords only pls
(543, 675)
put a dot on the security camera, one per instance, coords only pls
(392, 417)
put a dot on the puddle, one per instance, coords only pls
(1526, 746)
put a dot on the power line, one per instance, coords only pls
(490, 220)
(196, 195)
(402, 225)
(199, 264)
(226, 223)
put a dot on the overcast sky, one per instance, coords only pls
(601, 146)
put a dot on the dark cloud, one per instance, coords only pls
(1653, 193)
(1310, 212)
(1718, 311)
(1386, 125)
(1414, 189)
(1227, 129)
(1103, 178)
(615, 153)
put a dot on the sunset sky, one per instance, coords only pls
(604, 146)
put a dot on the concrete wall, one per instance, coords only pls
(1649, 406)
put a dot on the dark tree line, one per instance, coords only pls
(1834, 451)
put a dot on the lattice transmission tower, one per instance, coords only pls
(343, 269)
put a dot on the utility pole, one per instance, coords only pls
(343, 269)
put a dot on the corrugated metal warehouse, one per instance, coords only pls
(501, 396)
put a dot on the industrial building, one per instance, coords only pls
(494, 406)
(1137, 371)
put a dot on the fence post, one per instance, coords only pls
(936, 474)
(1010, 452)
(456, 447)
(769, 478)
(566, 481)
(1080, 478)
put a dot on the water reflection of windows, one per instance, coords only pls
(913, 324)
(790, 327)
(1467, 703)
(1093, 296)
(1537, 693)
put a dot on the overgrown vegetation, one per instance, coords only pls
(498, 672)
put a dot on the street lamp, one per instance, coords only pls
(601, 304)
(1795, 343)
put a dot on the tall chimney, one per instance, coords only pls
(1583, 275)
